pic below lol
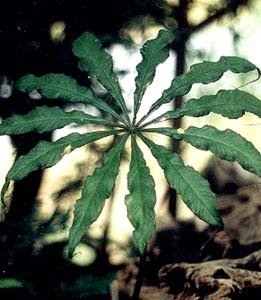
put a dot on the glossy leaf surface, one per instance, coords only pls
(97, 188)
(46, 154)
(44, 118)
(98, 63)
(204, 72)
(60, 86)
(141, 199)
(154, 52)
(193, 188)
(225, 144)
(228, 103)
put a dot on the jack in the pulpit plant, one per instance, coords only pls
(193, 188)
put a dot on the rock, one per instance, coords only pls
(223, 279)
(241, 214)
(226, 177)
(207, 265)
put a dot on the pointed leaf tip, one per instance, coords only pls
(204, 72)
(44, 119)
(141, 199)
(226, 144)
(154, 52)
(98, 64)
(97, 188)
(193, 188)
(46, 154)
(228, 103)
(60, 86)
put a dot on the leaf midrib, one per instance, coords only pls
(138, 96)
(111, 86)
(102, 178)
(195, 191)
(200, 106)
(74, 144)
(55, 118)
(220, 142)
(139, 171)
(35, 159)
(51, 86)
(177, 171)
(186, 84)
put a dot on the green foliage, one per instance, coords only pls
(228, 103)
(226, 144)
(46, 154)
(98, 64)
(193, 188)
(88, 285)
(140, 202)
(153, 53)
(45, 118)
(7, 283)
(55, 86)
(205, 72)
(97, 188)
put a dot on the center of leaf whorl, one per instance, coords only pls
(133, 129)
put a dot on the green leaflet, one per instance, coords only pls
(226, 144)
(60, 86)
(98, 63)
(171, 132)
(194, 189)
(204, 72)
(44, 118)
(46, 154)
(97, 188)
(142, 198)
(54, 86)
(153, 53)
(228, 103)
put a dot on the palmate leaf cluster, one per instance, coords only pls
(140, 202)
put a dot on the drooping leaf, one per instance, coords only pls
(194, 189)
(228, 103)
(204, 72)
(44, 118)
(98, 63)
(142, 198)
(153, 53)
(226, 144)
(46, 154)
(60, 86)
(97, 188)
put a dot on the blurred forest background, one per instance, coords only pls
(36, 37)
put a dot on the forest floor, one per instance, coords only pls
(183, 261)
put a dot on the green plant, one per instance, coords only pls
(140, 201)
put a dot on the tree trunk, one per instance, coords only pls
(179, 46)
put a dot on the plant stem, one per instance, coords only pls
(140, 276)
